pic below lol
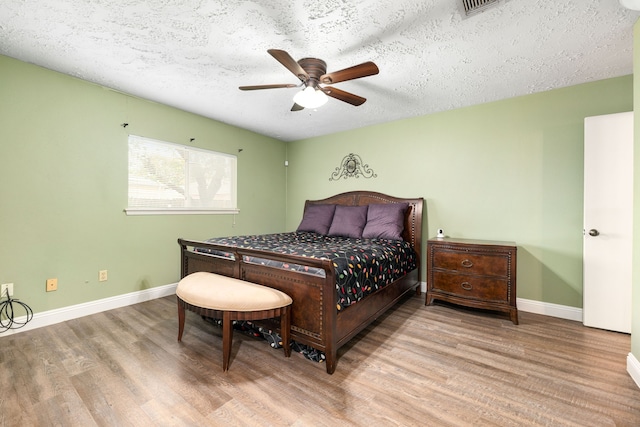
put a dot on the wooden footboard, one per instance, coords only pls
(315, 320)
(313, 312)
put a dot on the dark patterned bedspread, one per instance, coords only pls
(362, 265)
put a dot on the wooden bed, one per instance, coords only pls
(315, 320)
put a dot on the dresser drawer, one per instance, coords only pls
(477, 287)
(471, 263)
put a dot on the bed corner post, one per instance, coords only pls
(418, 219)
(330, 313)
(332, 359)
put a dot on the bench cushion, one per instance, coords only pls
(216, 292)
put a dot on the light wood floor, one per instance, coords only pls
(417, 365)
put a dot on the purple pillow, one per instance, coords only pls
(385, 221)
(317, 218)
(349, 221)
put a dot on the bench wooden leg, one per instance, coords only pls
(227, 338)
(180, 320)
(285, 329)
(227, 325)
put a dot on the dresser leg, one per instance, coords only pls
(428, 299)
(513, 315)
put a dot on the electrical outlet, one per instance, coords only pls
(52, 285)
(4, 288)
(102, 276)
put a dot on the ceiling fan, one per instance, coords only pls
(312, 72)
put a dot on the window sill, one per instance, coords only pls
(187, 211)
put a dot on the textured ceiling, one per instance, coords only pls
(193, 54)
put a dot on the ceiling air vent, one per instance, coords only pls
(471, 7)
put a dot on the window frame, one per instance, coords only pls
(183, 210)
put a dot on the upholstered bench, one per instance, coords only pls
(229, 299)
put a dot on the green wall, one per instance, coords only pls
(510, 170)
(63, 188)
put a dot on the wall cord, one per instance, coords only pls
(7, 319)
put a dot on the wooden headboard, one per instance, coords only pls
(413, 218)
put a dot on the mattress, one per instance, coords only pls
(362, 266)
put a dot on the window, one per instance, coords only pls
(171, 178)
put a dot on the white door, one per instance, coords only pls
(608, 221)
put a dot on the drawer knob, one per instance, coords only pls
(466, 286)
(466, 263)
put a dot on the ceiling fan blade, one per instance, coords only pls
(257, 87)
(285, 59)
(344, 96)
(355, 72)
(297, 107)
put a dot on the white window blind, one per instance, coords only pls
(172, 178)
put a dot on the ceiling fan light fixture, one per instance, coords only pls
(631, 4)
(310, 98)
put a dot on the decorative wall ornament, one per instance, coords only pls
(352, 167)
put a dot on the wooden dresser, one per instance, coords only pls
(473, 273)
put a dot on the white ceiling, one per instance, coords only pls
(193, 54)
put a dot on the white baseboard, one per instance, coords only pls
(633, 368)
(423, 287)
(52, 317)
(550, 309)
